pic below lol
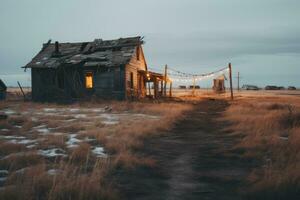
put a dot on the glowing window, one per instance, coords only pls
(89, 80)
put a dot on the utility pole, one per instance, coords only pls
(238, 81)
(165, 85)
(230, 77)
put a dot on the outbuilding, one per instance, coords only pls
(3, 89)
(219, 84)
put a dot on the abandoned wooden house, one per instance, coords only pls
(219, 84)
(114, 69)
(3, 89)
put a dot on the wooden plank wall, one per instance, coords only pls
(133, 67)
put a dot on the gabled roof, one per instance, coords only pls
(100, 52)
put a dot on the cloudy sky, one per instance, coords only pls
(261, 38)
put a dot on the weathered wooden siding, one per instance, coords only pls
(109, 83)
(134, 65)
(42, 80)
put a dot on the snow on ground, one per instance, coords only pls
(55, 152)
(73, 141)
(11, 137)
(9, 111)
(86, 116)
(42, 129)
(3, 176)
(99, 152)
(25, 141)
(79, 116)
(54, 172)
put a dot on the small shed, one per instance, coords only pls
(219, 84)
(113, 69)
(3, 89)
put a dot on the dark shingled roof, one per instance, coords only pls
(100, 52)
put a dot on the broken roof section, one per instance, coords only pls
(105, 53)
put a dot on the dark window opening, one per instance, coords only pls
(131, 80)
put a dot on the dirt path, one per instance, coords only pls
(195, 161)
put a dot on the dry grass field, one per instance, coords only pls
(50, 151)
(270, 129)
(55, 151)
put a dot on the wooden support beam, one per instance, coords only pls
(22, 91)
(165, 81)
(149, 87)
(170, 92)
(155, 88)
(230, 80)
(162, 87)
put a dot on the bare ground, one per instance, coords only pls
(195, 160)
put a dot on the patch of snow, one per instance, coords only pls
(43, 131)
(70, 120)
(17, 126)
(3, 175)
(109, 119)
(99, 152)
(10, 137)
(34, 119)
(53, 172)
(26, 141)
(283, 138)
(146, 116)
(73, 141)
(80, 116)
(31, 146)
(9, 112)
(110, 122)
(98, 110)
(3, 172)
(50, 109)
(40, 126)
(4, 130)
(74, 110)
(52, 152)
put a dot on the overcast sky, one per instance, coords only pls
(261, 38)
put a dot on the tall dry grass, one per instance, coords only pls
(271, 132)
(81, 175)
